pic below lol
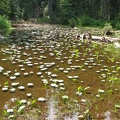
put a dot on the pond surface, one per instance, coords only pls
(75, 79)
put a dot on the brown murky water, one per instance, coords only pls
(61, 60)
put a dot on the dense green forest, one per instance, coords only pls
(73, 12)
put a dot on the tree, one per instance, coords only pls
(15, 11)
(63, 9)
(105, 9)
(5, 7)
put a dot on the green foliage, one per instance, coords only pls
(80, 89)
(16, 12)
(95, 45)
(5, 112)
(4, 7)
(6, 83)
(85, 21)
(117, 21)
(114, 79)
(117, 25)
(4, 23)
(114, 52)
(72, 22)
(107, 28)
(65, 99)
(76, 51)
(89, 13)
(65, 8)
(88, 21)
(43, 20)
(118, 68)
(33, 102)
(19, 103)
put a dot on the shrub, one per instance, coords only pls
(85, 21)
(107, 28)
(4, 23)
(117, 25)
(43, 20)
(117, 22)
(72, 22)
(114, 51)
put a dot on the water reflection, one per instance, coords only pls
(107, 115)
(74, 116)
(52, 110)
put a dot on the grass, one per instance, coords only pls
(113, 51)
(23, 111)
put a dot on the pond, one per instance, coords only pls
(48, 72)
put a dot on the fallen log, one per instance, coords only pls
(107, 39)
(99, 38)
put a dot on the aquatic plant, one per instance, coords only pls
(118, 69)
(109, 92)
(114, 79)
(113, 51)
(74, 80)
(94, 45)
(76, 53)
(6, 84)
(111, 59)
(65, 99)
(116, 107)
(20, 109)
(19, 103)
(58, 54)
(9, 114)
(97, 54)
(87, 49)
(81, 67)
(80, 89)
(5, 113)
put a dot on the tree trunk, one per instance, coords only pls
(105, 9)
(35, 9)
(50, 13)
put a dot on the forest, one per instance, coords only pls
(67, 12)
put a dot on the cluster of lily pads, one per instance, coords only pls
(54, 59)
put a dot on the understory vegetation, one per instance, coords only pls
(4, 23)
(84, 21)
(113, 51)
